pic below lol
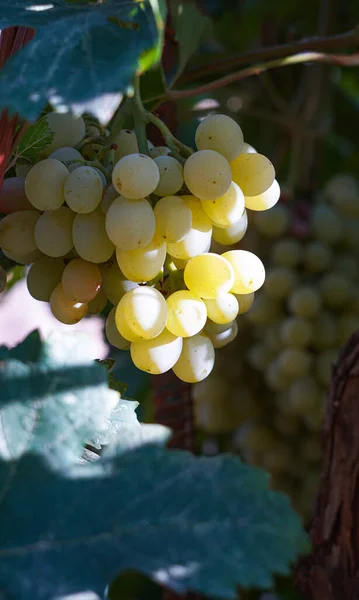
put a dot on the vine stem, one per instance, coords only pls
(318, 57)
(139, 118)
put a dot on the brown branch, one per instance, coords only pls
(342, 60)
(318, 43)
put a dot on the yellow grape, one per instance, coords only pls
(113, 335)
(135, 176)
(226, 210)
(223, 309)
(43, 276)
(158, 355)
(207, 174)
(81, 280)
(17, 232)
(265, 200)
(83, 190)
(126, 142)
(196, 360)
(130, 224)
(53, 232)
(44, 184)
(97, 305)
(143, 264)
(254, 173)
(68, 130)
(65, 309)
(209, 275)
(145, 311)
(245, 302)
(198, 237)
(249, 272)
(187, 314)
(304, 301)
(233, 234)
(114, 283)
(171, 176)
(223, 335)
(173, 218)
(220, 133)
(90, 238)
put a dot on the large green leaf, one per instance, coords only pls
(83, 54)
(205, 524)
(34, 141)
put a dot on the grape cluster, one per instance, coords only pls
(136, 230)
(267, 393)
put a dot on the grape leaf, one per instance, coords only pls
(198, 523)
(82, 56)
(34, 141)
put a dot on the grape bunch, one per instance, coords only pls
(105, 224)
(267, 394)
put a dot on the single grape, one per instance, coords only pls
(221, 337)
(207, 174)
(114, 283)
(130, 224)
(317, 256)
(157, 151)
(143, 264)
(221, 134)
(245, 302)
(272, 223)
(113, 335)
(287, 252)
(171, 176)
(44, 184)
(145, 311)
(83, 190)
(209, 275)
(68, 130)
(123, 327)
(43, 276)
(249, 273)
(279, 282)
(233, 234)
(187, 314)
(173, 218)
(13, 197)
(17, 232)
(108, 197)
(247, 149)
(69, 156)
(97, 305)
(126, 142)
(335, 289)
(223, 309)
(81, 280)
(135, 176)
(254, 173)
(90, 238)
(297, 332)
(24, 259)
(265, 200)
(304, 301)
(157, 355)
(196, 360)
(226, 210)
(325, 224)
(294, 362)
(198, 238)
(53, 232)
(64, 309)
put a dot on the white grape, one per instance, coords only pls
(226, 210)
(249, 272)
(145, 311)
(90, 238)
(247, 149)
(233, 234)
(130, 224)
(158, 355)
(126, 142)
(159, 151)
(53, 232)
(223, 337)
(209, 275)
(113, 335)
(171, 176)
(196, 360)
(265, 200)
(68, 130)
(135, 176)
(254, 173)
(187, 314)
(198, 238)
(173, 218)
(304, 301)
(83, 190)
(220, 133)
(44, 184)
(68, 155)
(114, 283)
(143, 264)
(17, 232)
(245, 302)
(207, 174)
(223, 309)
(108, 197)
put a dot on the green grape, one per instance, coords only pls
(207, 174)
(130, 224)
(83, 190)
(90, 238)
(287, 252)
(221, 134)
(226, 210)
(272, 223)
(68, 155)
(264, 310)
(342, 190)
(296, 331)
(211, 414)
(245, 302)
(249, 272)
(68, 130)
(145, 311)
(303, 395)
(317, 257)
(266, 200)
(304, 301)
(157, 355)
(198, 237)
(335, 289)
(65, 309)
(108, 197)
(43, 276)
(209, 275)
(44, 184)
(187, 314)
(325, 362)
(233, 234)
(135, 176)
(173, 218)
(348, 324)
(157, 151)
(294, 362)
(275, 377)
(97, 305)
(171, 176)
(13, 197)
(53, 232)
(325, 224)
(143, 264)
(223, 309)
(196, 360)
(126, 142)
(325, 330)
(259, 356)
(221, 337)
(279, 282)
(114, 283)
(254, 173)
(113, 335)
(17, 232)
(24, 259)
(272, 337)
(81, 280)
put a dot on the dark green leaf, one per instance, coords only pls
(153, 86)
(34, 141)
(83, 55)
(205, 524)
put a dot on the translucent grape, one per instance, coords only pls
(222, 337)
(279, 282)
(196, 360)
(114, 283)
(223, 309)
(325, 225)
(17, 232)
(65, 310)
(43, 276)
(304, 301)
(266, 200)
(135, 176)
(145, 311)
(67, 155)
(97, 305)
(317, 256)
(187, 314)
(44, 184)
(157, 355)
(123, 327)
(272, 223)
(143, 264)
(108, 197)
(245, 302)
(296, 331)
(294, 362)
(13, 197)
(159, 151)
(226, 210)
(207, 174)
(198, 237)
(130, 224)
(233, 234)
(90, 238)
(113, 335)
(126, 142)
(68, 130)
(53, 232)
(171, 176)
(249, 273)
(81, 280)
(254, 174)
(83, 190)
(287, 252)
(173, 218)
(335, 289)
(209, 275)
(220, 133)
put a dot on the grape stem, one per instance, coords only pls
(140, 122)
